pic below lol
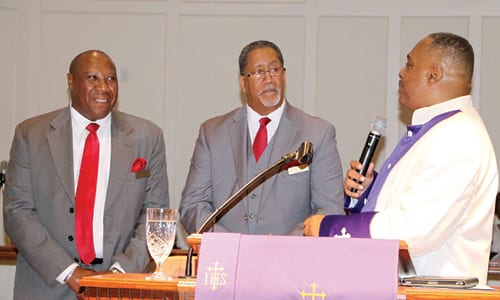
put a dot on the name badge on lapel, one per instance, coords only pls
(298, 169)
(142, 174)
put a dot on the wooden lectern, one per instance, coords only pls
(136, 287)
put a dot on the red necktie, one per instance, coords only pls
(85, 196)
(260, 142)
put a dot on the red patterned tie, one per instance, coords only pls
(85, 196)
(260, 142)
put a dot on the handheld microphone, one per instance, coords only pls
(377, 129)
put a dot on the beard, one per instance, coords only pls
(269, 101)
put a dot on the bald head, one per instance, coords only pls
(75, 63)
(438, 68)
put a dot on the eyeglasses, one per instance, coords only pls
(260, 73)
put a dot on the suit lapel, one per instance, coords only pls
(283, 139)
(121, 157)
(238, 135)
(60, 142)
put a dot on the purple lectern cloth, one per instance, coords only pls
(217, 266)
(294, 267)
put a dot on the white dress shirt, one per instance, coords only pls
(80, 133)
(253, 122)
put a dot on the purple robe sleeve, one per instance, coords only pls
(351, 226)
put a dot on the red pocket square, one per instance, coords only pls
(138, 165)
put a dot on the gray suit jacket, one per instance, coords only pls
(39, 199)
(219, 169)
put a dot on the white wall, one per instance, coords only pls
(177, 60)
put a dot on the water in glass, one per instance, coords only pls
(160, 237)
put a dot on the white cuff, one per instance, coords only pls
(66, 274)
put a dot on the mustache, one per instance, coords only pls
(269, 88)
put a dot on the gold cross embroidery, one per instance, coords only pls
(313, 293)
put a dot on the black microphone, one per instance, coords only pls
(3, 171)
(377, 129)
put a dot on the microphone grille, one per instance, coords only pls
(378, 125)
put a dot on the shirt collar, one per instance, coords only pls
(79, 121)
(424, 114)
(275, 116)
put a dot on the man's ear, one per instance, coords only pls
(435, 73)
(69, 78)
(242, 83)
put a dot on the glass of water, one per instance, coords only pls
(160, 237)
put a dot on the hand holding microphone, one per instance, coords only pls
(355, 183)
(377, 129)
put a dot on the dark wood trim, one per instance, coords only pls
(8, 255)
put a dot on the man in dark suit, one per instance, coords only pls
(225, 157)
(41, 197)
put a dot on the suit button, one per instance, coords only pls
(71, 210)
(252, 216)
(245, 217)
(70, 238)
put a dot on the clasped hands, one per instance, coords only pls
(353, 181)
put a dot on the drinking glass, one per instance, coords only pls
(160, 236)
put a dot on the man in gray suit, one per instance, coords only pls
(39, 198)
(224, 159)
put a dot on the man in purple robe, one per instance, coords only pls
(436, 191)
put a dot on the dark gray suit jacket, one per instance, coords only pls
(39, 199)
(219, 169)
